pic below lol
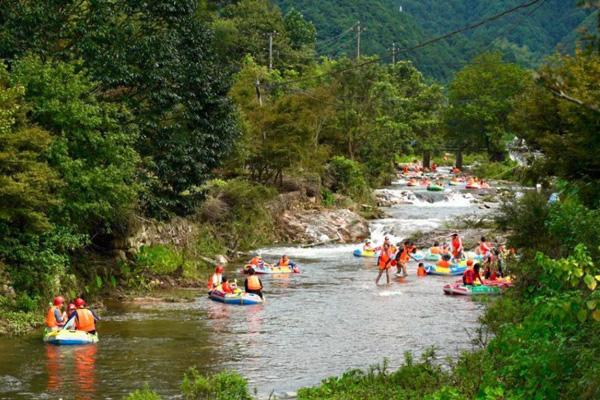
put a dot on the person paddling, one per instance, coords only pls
(253, 284)
(83, 318)
(383, 262)
(55, 317)
(216, 279)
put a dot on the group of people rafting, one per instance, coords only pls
(76, 316)
(252, 283)
(418, 175)
(491, 259)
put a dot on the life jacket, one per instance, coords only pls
(443, 264)
(469, 277)
(421, 271)
(85, 320)
(226, 288)
(253, 283)
(255, 261)
(456, 246)
(284, 263)
(51, 321)
(384, 257)
(484, 248)
(405, 256)
(435, 250)
(214, 281)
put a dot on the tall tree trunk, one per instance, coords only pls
(426, 158)
(459, 159)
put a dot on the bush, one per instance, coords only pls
(508, 170)
(346, 177)
(143, 394)
(222, 386)
(159, 259)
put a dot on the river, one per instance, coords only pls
(327, 319)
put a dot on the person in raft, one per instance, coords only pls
(367, 246)
(215, 279)
(256, 261)
(436, 248)
(284, 261)
(56, 317)
(457, 246)
(83, 318)
(421, 270)
(383, 262)
(227, 287)
(253, 284)
(471, 275)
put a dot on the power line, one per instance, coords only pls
(418, 46)
(470, 27)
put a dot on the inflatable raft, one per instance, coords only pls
(460, 289)
(473, 186)
(435, 188)
(418, 256)
(432, 257)
(266, 270)
(453, 270)
(365, 253)
(240, 298)
(65, 337)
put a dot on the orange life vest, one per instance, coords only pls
(421, 271)
(51, 321)
(435, 250)
(85, 320)
(456, 246)
(255, 261)
(443, 263)
(284, 263)
(253, 283)
(384, 257)
(226, 288)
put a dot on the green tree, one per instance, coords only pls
(302, 33)
(158, 58)
(480, 100)
(92, 146)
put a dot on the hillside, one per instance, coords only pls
(525, 37)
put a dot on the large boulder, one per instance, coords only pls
(315, 226)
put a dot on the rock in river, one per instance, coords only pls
(311, 226)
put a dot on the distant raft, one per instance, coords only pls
(266, 270)
(468, 290)
(240, 298)
(453, 270)
(364, 253)
(65, 337)
(435, 188)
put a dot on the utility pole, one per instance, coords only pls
(359, 30)
(271, 50)
(393, 52)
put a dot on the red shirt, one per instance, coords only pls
(469, 277)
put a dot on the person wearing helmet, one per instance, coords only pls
(83, 318)
(216, 279)
(55, 317)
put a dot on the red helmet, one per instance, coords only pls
(59, 301)
(219, 269)
(79, 302)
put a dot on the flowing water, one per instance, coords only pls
(327, 319)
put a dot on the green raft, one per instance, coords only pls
(435, 188)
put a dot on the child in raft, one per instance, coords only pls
(227, 287)
(436, 248)
(471, 275)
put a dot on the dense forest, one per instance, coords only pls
(116, 111)
(525, 37)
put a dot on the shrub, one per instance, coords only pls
(159, 259)
(222, 386)
(143, 394)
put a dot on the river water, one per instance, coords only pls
(327, 319)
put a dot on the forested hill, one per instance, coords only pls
(526, 36)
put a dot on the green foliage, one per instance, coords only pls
(411, 381)
(481, 99)
(560, 116)
(143, 394)
(508, 170)
(347, 178)
(159, 259)
(92, 144)
(222, 386)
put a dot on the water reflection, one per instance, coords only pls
(72, 366)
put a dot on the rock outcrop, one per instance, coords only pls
(317, 226)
